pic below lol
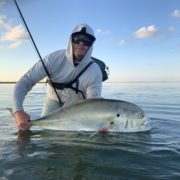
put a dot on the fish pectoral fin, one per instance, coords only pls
(94, 133)
(110, 125)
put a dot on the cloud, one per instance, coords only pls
(4, 25)
(176, 13)
(15, 45)
(15, 34)
(172, 29)
(121, 42)
(100, 31)
(145, 32)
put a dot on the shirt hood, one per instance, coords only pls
(69, 52)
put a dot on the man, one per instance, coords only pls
(63, 66)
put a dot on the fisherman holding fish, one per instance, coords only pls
(63, 67)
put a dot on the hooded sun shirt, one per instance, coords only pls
(62, 70)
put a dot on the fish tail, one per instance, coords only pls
(11, 111)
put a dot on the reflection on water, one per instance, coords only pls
(74, 155)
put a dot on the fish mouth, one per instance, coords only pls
(146, 120)
(144, 126)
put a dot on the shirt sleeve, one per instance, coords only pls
(25, 84)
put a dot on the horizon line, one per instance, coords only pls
(14, 82)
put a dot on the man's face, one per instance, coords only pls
(80, 45)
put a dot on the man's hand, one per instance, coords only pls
(22, 120)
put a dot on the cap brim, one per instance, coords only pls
(85, 34)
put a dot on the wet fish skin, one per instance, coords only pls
(94, 115)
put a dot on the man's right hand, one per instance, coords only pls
(22, 120)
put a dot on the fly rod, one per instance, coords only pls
(34, 44)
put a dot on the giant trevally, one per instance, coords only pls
(96, 115)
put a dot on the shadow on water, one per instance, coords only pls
(123, 141)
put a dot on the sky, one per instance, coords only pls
(139, 40)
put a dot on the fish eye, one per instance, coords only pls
(118, 115)
(142, 115)
(111, 122)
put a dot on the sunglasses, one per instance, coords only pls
(86, 41)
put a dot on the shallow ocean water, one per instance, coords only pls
(63, 155)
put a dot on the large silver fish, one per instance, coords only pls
(96, 115)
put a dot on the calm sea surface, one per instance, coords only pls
(59, 155)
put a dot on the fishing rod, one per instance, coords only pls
(34, 44)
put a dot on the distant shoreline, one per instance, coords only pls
(14, 82)
(112, 82)
(7, 82)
